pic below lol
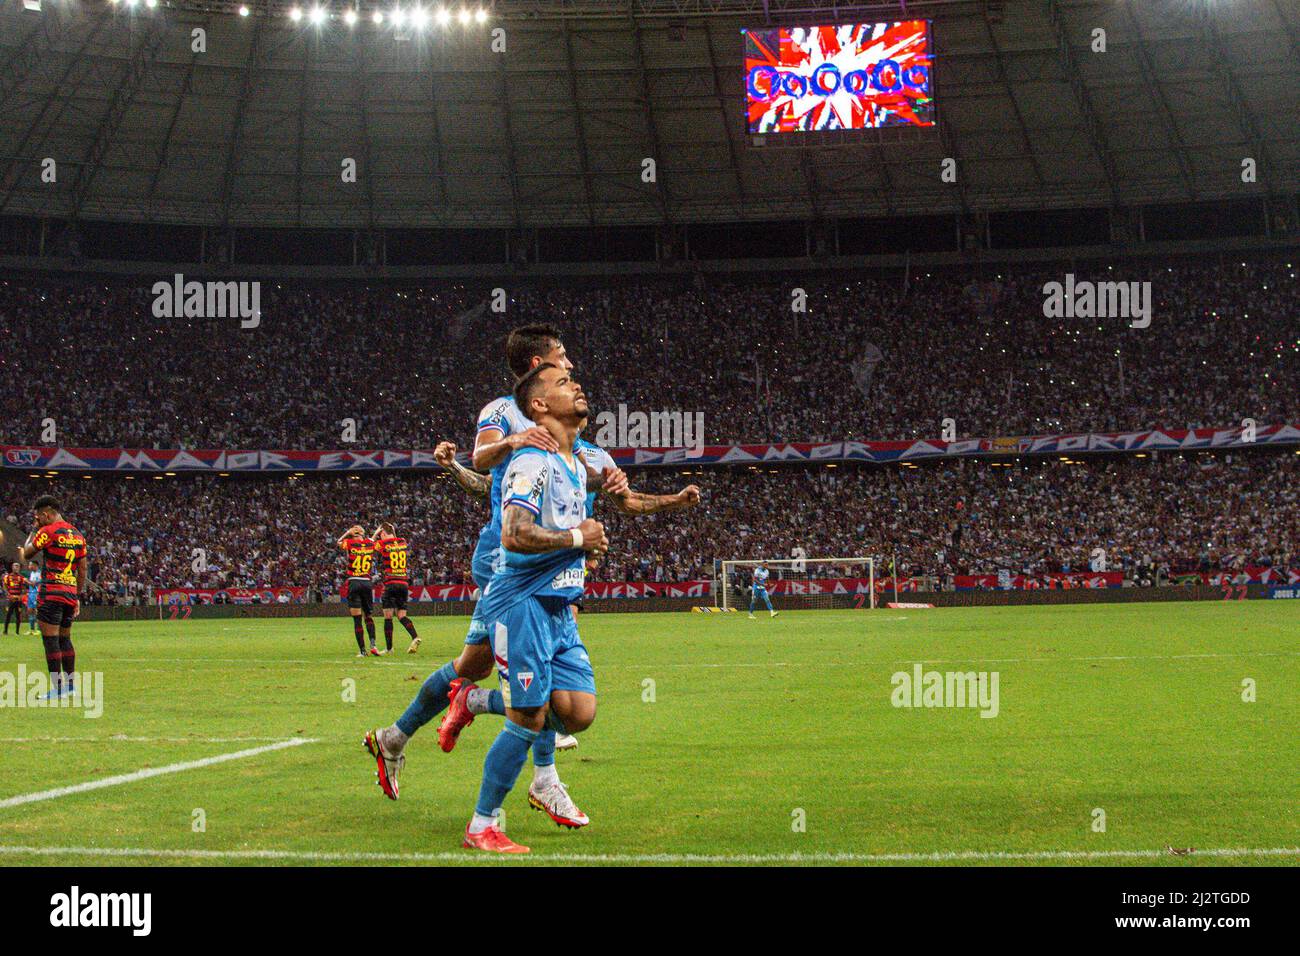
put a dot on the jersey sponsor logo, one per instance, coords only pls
(569, 578)
(525, 679)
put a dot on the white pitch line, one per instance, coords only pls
(124, 739)
(955, 856)
(149, 772)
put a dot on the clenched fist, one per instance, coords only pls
(445, 453)
(593, 537)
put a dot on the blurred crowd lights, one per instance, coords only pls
(418, 17)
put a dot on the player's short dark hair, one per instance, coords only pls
(47, 501)
(527, 341)
(387, 526)
(529, 385)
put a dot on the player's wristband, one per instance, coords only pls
(577, 537)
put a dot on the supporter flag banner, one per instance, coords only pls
(38, 459)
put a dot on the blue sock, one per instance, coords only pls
(501, 768)
(496, 703)
(544, 748)
(430, 701)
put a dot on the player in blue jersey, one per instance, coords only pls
(33, 594)
(758, 588)
(546, 537)
(502, 430)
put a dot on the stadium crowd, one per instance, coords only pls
(412, 366)
(1202, 512)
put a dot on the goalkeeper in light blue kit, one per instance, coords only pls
(758, 588)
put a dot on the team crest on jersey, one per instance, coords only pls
(521, 485)
(525, 679)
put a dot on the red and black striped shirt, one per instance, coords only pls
(63, 546)
(394, 551)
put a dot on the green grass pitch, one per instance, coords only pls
(716, 736)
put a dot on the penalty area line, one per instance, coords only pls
(148, 772)
(954, 856)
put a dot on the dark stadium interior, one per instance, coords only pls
(520, 174)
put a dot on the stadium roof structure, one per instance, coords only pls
(252, 129)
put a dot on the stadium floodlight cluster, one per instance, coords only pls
(417, 16)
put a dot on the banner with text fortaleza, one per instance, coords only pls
(223, 460)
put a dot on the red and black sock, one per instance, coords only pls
(410, 628)
(69, 656)
(356, 628)
(388, 632)
(53, 659)
(370, 629)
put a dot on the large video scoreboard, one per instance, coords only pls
(851, 76)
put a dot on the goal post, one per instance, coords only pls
(732, 588)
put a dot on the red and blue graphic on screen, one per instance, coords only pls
(852, 76)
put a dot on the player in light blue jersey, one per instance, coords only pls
(33, 594)
(501, 431)
(758, 588)
(546, 536)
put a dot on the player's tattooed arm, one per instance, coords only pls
(640, 503)
(472, 481)
(612, 481)
(493, 447)
(520, 533)
(354, 530)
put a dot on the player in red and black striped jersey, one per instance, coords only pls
(15, 586)
(360, 552)
(394, 554)
(63, 579)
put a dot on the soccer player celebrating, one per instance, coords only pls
(393, 551)
(759, 589)
(15, 586)
(64, 549)
(360, 551)
(502, 429)
(545, 540)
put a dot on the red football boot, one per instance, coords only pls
(492, 839)
(458, 716)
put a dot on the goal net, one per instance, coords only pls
(798, 583)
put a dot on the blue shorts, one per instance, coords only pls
(31, 600)
(481, 568)
(538, 650)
